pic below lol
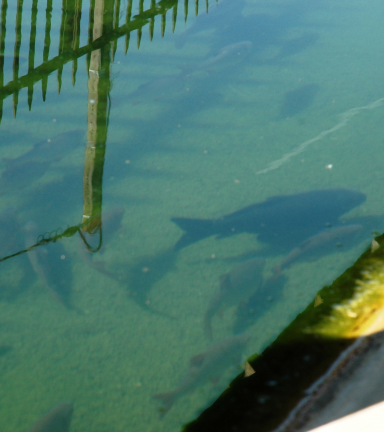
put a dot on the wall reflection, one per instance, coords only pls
(104, 26)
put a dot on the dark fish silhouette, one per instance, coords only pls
(51, 265)
(5, 349)
(10, 239)
(111, 224)
(22, 175)
(58, 419)
(163, 88)
(171, 86)
(259, 303)
(296, 45)
(33, 164)
(206, 366)
(298, 100)
(228, 56)
(218, 17)
(51, 149)
(236, 286)
(144, 274)
(281, 220)
(329, 238)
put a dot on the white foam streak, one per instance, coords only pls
(345, 117)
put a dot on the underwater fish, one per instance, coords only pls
(51, 265)
(282, 220)
(144, 274)
(298, 100)
(58, 419)
(236, 286)
(259, 303)
(296, 45)
(10, 239)
(5, 349)
(32, 165)
(228, 56)
(163, 88)
(111, 224)
(217, 18)
(52, 149)
(206, 366)
(20, 176)
(329, 238)
(171, 86)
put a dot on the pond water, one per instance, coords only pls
(252, 100)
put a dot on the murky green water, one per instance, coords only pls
(252, 100)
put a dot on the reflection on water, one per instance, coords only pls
(143, 254)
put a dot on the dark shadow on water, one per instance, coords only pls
(297, 101)
(5, 349)
(259, 303)
(295, 46)
(151, 137)
(144, 274)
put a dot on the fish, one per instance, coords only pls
(236, 286)
(10, 239)
(51, 265)
(22, 175)
(298, 100)
(5, 349)
(283, 220)
(204, 367)
(29, 167)
(228, 56)
(172, 86)
(111, 224)
(159, 89)
(218, 17)
(296, 45)
(57, 419)
(259, 303)
(329, 238)
(144, 274)
(52, 149)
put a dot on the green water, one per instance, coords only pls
(193, 145)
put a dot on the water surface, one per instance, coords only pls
(181, 131)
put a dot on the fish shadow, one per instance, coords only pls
(144, 274)
(5, 349)
(297, 101)
(294, 46)
(259, 303)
